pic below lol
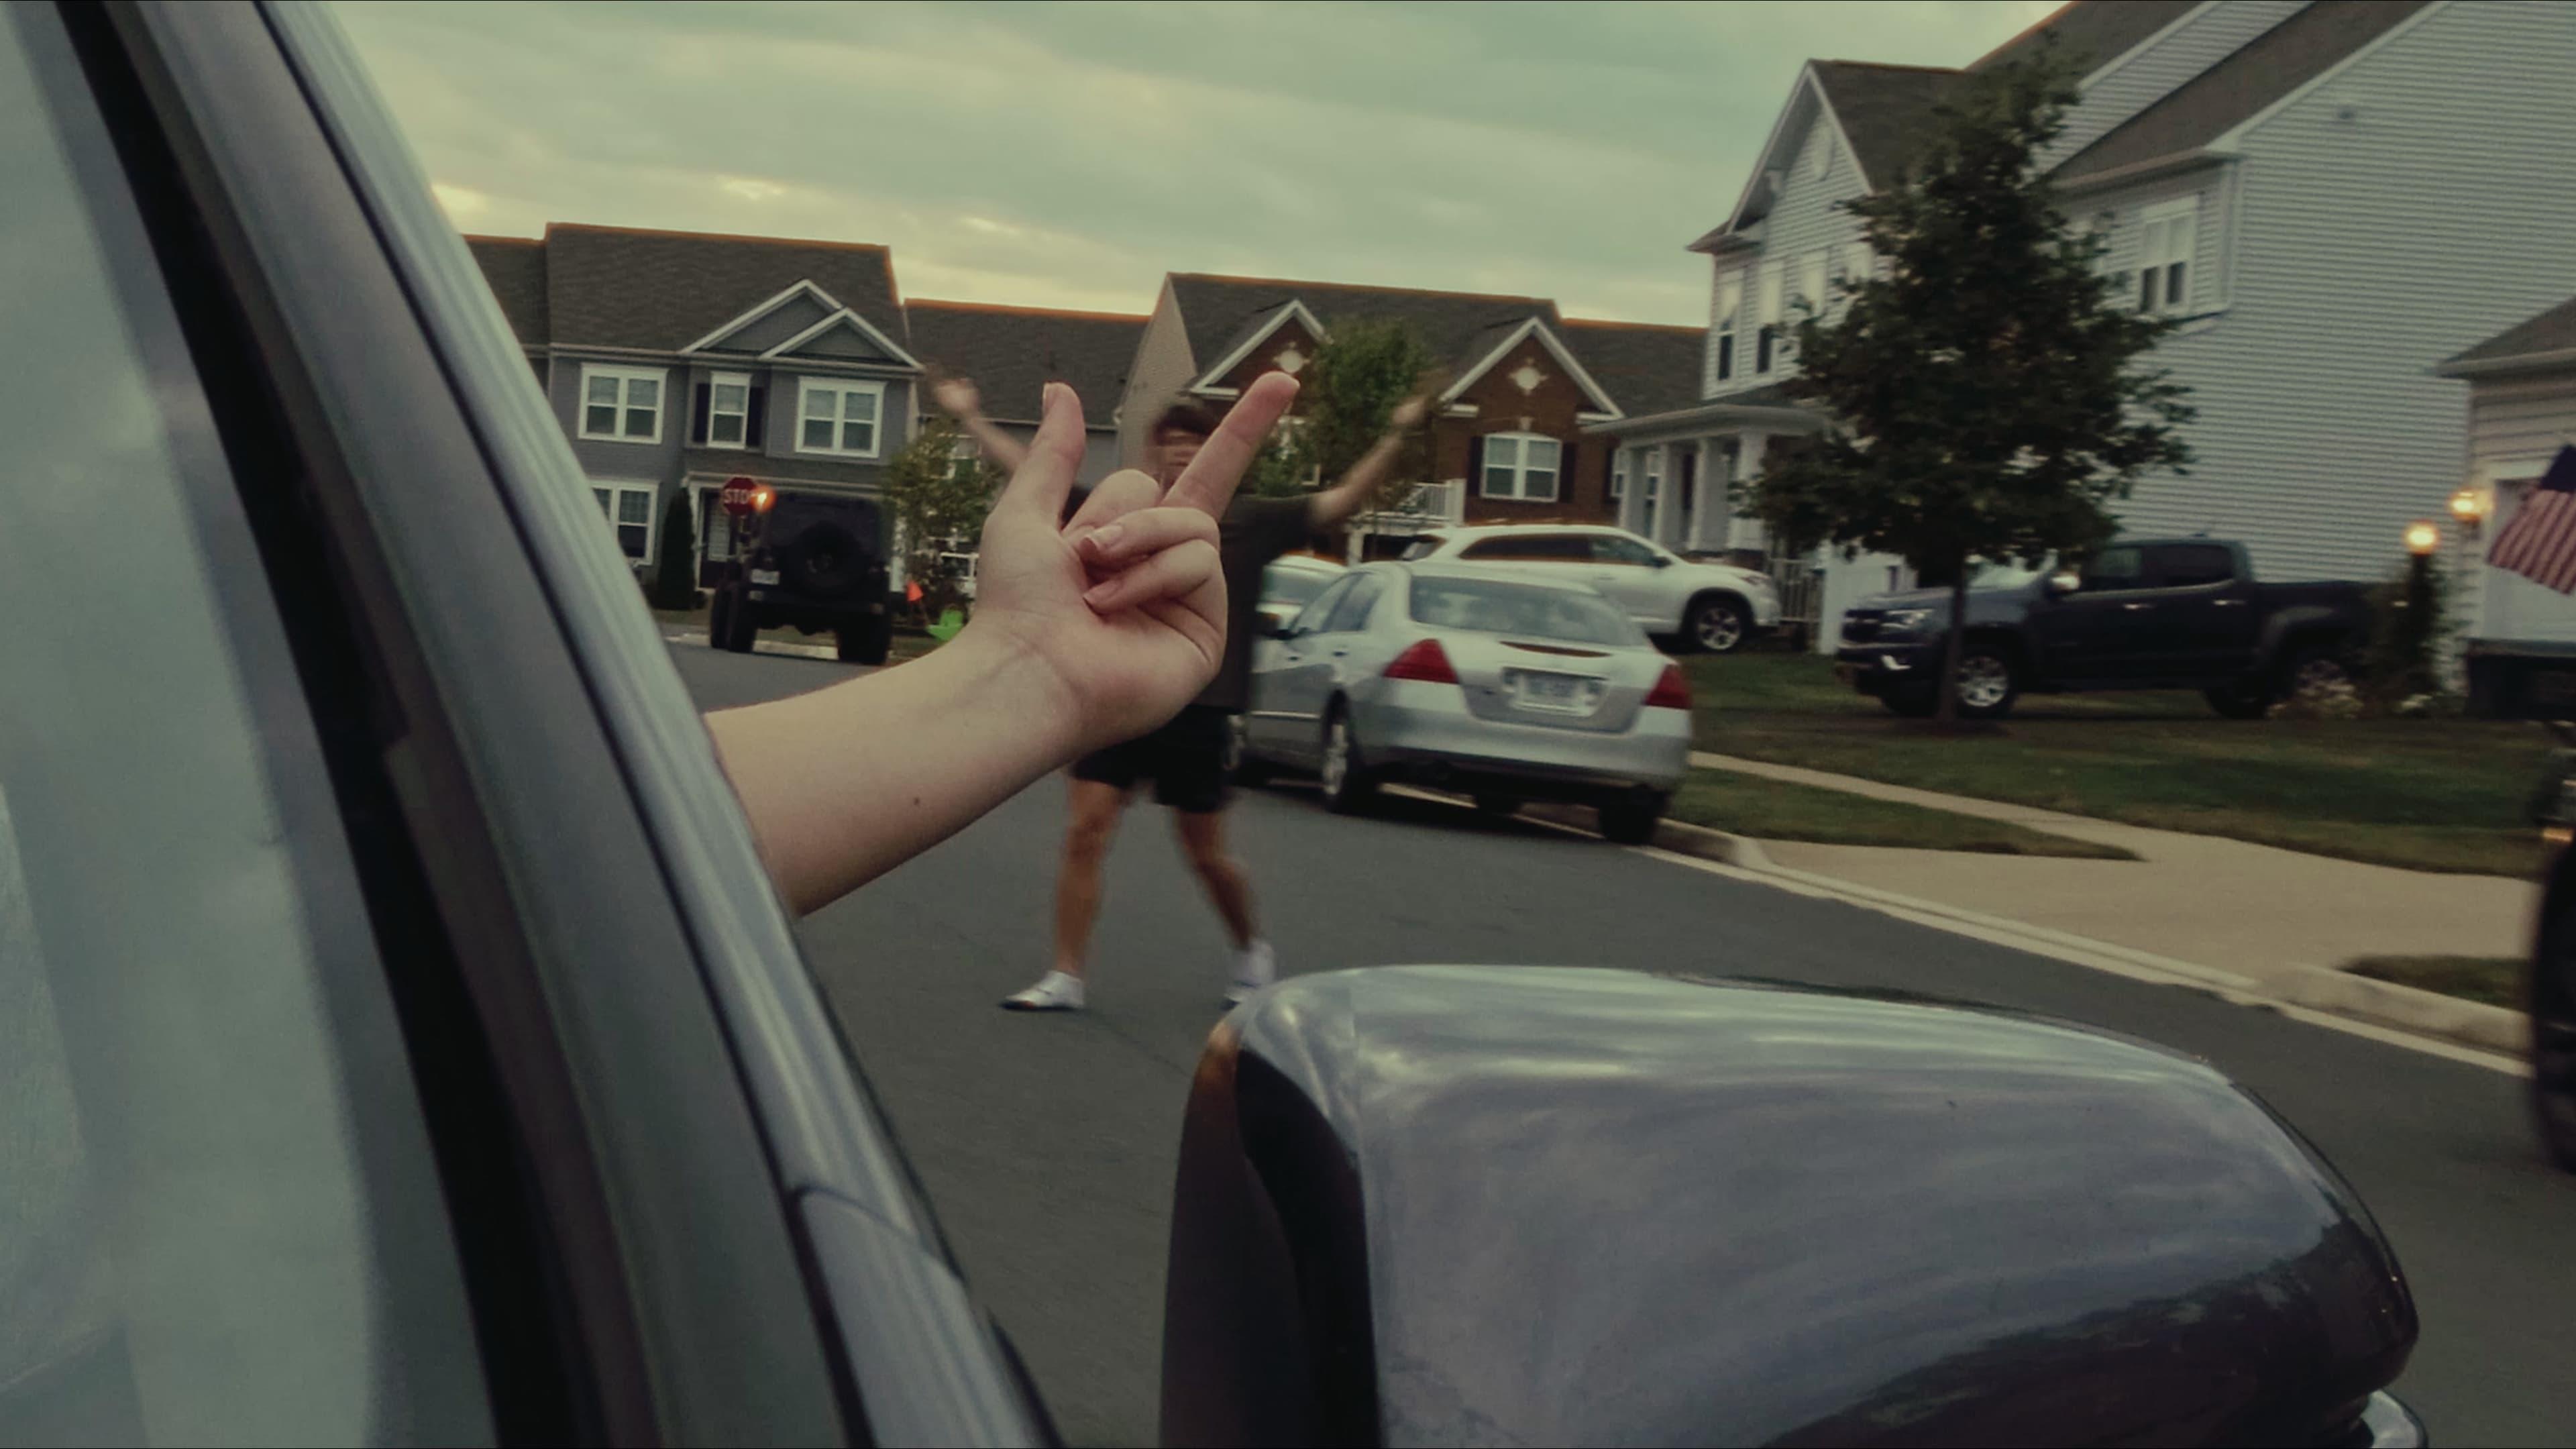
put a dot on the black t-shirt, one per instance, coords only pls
(1253, 532)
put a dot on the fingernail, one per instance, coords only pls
(1100, 593)
(1105, 537)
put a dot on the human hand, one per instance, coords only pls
(956, 397)
(1410, 412)
(1124, 607)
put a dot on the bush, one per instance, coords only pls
(2410, 619)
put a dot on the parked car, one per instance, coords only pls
(815, 563)
(2181, 613)
(405, 1044)
(1291, 583)
(1506, 689)
(1713, 607)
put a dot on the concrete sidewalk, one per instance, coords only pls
(2254, 910)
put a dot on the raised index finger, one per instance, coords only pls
(1208, 483)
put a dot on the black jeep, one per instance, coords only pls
(812, 562)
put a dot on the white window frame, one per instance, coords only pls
(1726, 364)
(716, 383)
(1619, 473)
(626, 378)
(2168, 238)
(841, 387)
(1770, 282)
(1520, 468)
(608, 493)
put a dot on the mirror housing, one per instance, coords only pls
(2064, 582)
(1466, 1204)
(1277, 628)
(1663, 560)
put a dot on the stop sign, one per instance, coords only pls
(737, 496)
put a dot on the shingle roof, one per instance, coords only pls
(2097, 30)
(2551, 334)
(611, 286)
(515, 266)
(1885, 110)
(1645, 369)
(2299, 49)
(1217, 313)
(1012, 353)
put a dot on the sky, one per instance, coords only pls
(1068, 155)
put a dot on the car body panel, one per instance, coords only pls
(1655, 595)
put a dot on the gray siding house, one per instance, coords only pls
(677, 360)
(2324, 195)
(1012, 353)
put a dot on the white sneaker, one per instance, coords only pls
(1055, 991)
(1255, 966)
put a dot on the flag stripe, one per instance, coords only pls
(2540, 542)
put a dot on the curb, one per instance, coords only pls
(806, 651)
(2408, 1008)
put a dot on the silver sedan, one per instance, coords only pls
(1505, 689)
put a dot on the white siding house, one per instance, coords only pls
(2521, 638)
(2323, 195)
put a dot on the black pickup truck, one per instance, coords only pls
(2180, 613)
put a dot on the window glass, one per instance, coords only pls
(1353, 611)
(1294, 586)
(2191, 565)
(1424, 547)
(2115, 568)
(219, 1218)
(1530, 548)
(1310, 619)
(643, 406)
(1495, 606)
(1610, 548)
(728, 407)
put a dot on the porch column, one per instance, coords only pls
(1713, 510)
(1668, 497)
(1747, 532)
(1632, 501)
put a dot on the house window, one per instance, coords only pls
(2165, 237)
(838, 417)
(1619, 474)
(621, 404)
(729, 410)
(1721, 337)
(1520, 465)
(629, 510)
(1766, 315)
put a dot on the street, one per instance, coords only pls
(1047, 1143)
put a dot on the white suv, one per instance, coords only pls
(1707, 606)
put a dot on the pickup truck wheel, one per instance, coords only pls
(1716, 626)
(2238, 701)
(1630, 819)
(2553, 1036)
(1987, 683)
(867, 642)
(741, 627)
(1348, 786)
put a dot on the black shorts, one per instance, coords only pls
(1185, 759)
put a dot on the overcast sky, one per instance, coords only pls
(1068, 155)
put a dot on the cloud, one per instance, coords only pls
(1071, 154)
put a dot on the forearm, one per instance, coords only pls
(846, 783)
(1004, 450)
(1358, 485)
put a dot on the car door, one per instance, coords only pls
(1631, 574)
(604, 1118)
(2103, 630)
(2205, 620)
(1291, 679)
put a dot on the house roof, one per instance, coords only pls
(515, 266)
(1218, 314)
(607, 286)
(2100, 31)
(2548, 338)
(1012, 353)
(1649, 369)
(2260, 72)
(1884, 110)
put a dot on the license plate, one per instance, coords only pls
(1558, 693)
(764, 576)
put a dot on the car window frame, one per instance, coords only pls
(1310, 619)
(2156, 565)
(1364, 592)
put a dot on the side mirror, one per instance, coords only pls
(1444, 1204)
(2064, 582)
(1663, 560)
(1278, 628)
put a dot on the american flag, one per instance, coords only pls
(2540, 542)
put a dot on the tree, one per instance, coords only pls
(675, 575)
(1981, 396)
(1343, 399)
(939, 495)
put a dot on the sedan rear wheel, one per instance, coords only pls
(1630, 819)
(1347, 786)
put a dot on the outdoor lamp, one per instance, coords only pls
(2422, 537)
(2470, 506)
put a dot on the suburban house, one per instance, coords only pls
(1012, 353)
(677, 360)
(1506, 437)
(2521, 636)
(2313, 190)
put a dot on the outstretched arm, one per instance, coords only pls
(1083, 634)
(1361, 483)
(957, 397)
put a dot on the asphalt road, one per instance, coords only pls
(1047, 1143)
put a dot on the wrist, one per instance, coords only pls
(994, 668)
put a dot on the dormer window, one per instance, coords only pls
(2166, 236)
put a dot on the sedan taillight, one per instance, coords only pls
(1425, 661)
(1670, 692)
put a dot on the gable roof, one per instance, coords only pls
(1497, 343)
(611, 286)
(1646, 368)
(2263, 70)
(1219, 313)
(1012, 353)
(2548, 340)
(1884, 110)
(515, 266)
(2099, 31)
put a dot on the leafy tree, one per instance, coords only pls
(1982, 396)
(938, 499)
(675, 575)
(1344, 397)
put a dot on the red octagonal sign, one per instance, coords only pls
(737, 496)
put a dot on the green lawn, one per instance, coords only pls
(2429, 794)
(1774, 810)
(2494, 980)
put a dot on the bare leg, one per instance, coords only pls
(1203, 837)
(1095, 810)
